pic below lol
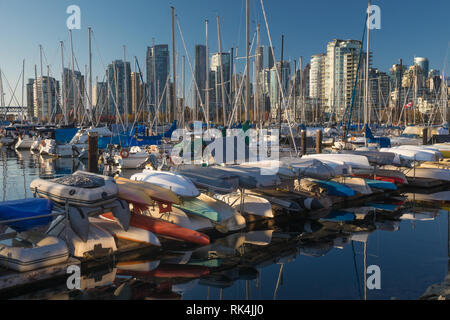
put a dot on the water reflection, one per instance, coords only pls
(327, 258)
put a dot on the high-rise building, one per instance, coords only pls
(317, 76)
(30, 97)
(137, 93)
(199, 77)
(119, 88)
(46, 98)
(259, 59)
(275, 92)
(226, 70)
(73, 92)
(341, 65)
(423, 63)
(100, 97)
(158, 69)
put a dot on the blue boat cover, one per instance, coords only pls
(65, 135)
(26, 209)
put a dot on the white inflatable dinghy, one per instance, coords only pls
(29, 251)
(79, 189)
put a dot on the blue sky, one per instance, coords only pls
(408, 28)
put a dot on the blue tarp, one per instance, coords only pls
(132, 140)
(384, 142)
(65, 135)
(25, 209)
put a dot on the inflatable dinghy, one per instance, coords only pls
(79, 189)
(29, 251)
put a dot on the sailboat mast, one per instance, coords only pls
(207, 77)
(366, 91)
(184, 89)
(247, 83)
(295, 90)
(257, 82)
(23, 87)
(281, 82)
(221, 71)
(75, 99)
(90, 75)
(125, 98)
(175, 106)
(63, 85)
(42, 86)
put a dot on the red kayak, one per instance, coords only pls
(164, 228)
(395, 180)
(168, 272)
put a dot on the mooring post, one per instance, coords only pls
(319, 142)
(303, 141)
(425, 136)
(93, 152)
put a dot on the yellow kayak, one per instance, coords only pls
(133, 195)
(443, 148)
(153, 191)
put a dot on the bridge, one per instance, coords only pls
(13, 110)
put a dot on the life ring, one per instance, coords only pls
(124, 153)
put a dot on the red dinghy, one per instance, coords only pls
(165, 228)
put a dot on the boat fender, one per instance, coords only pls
(122, 213)
(124, 153)
(79, 223)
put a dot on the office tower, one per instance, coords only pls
(46, 96)
(158, 68)
(199, 77)
(119, 74)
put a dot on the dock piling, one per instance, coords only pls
(319, 142)
(93, 152)
(303, 141)
(425, 136)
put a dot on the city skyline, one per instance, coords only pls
(295, 46)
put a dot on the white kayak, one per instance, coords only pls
(357, 184)
(425, 173)
(355, 161)
(414, 155)
(271, 167)
(253, 205)
(178, 184)
(230, 218)
(44, 251)
(316, 169)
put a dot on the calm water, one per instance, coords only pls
(305, 260)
